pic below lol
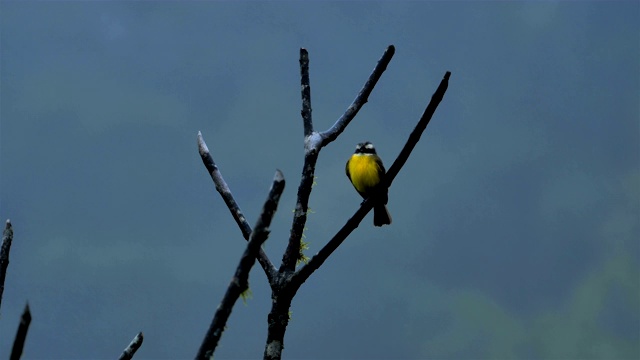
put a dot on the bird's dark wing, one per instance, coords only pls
(380, 166)
(384, 196)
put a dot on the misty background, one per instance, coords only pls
(515, 221)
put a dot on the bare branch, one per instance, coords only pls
(362, 98)
(240, 282)
(306, 92)
(225, 192)
(133, 347)
(21, 335)
(314, 142)
(304, 272)
(7, 238)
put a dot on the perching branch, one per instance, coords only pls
(313, 142)
(132, 348)
(304, 272)
(240, 282)
(7, 238)
(225, 192)
(21, 335)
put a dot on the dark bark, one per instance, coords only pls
(7, 238)
(21, 335)
(305, 90)
(278, 320)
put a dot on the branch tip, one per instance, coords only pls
(135, 344)
(21, 335)
(202, 146)
(278, 176)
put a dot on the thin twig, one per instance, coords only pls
(7, 238)
(225, 192)
(314, 142)
(21, 335)
(223, 188)
(240, 282)
(314, 263)
(305, 89)
(362, 98)
(135, 344)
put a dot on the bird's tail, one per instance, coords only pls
(381, 215)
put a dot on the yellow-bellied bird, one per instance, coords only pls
(365, 170)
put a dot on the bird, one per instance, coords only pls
(365, 171)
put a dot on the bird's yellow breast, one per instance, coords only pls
(364, 172)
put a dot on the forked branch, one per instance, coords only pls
(286, 281)
(240, 281)
(305, 271)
